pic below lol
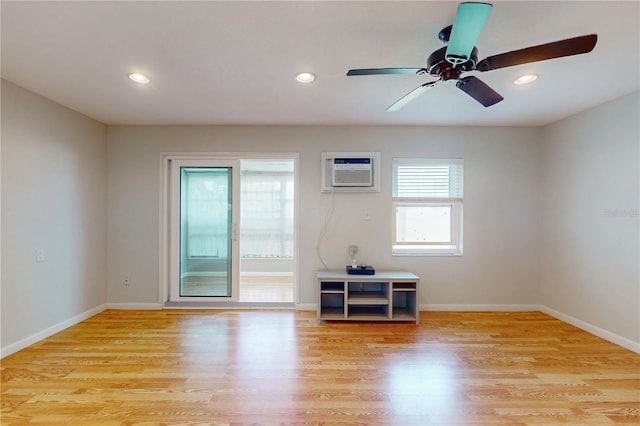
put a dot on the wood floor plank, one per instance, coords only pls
(246, 367)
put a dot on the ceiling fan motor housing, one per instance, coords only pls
(438, 66)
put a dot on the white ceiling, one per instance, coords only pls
(234, 62)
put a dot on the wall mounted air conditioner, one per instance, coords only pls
(350, 172)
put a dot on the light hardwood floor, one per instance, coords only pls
(281, 367)
(266, 289)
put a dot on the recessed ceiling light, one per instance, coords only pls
(305, 77)
(525, 79)
(139, 78)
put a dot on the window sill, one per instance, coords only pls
(440, 254)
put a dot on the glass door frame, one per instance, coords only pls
(175, 168)
(165, 162)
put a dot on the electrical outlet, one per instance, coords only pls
(353, 249)
(127, 282)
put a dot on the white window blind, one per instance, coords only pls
(204, 191)
(267, 191)
(428, 179)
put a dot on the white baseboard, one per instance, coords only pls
(600, 332)
(479, 308)
(36, 337)
(451, 308)
(136, 306)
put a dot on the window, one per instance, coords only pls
(204, 190)
(266, 209)
(427, 206)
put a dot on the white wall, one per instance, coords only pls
(501, 222)
(551, 215)
(590, 266)
(53, 198)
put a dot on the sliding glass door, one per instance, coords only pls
(204, 252)
(267, 237)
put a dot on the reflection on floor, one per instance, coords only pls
(280, 367)
(266, 289)
(253, 288)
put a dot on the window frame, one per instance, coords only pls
(434, 248)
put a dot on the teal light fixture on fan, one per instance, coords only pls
(460, 55)
(469, 22)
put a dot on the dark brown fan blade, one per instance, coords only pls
(556, 49)
(479, 91)
(377, 71)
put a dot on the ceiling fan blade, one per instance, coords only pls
(479, 91)
(400, 103)
(470, 19)
(377, 71)
(556, 49)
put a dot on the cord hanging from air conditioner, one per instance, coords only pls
(325, 225)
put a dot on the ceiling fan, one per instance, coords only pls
(460, 55)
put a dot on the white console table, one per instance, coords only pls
(385, 296)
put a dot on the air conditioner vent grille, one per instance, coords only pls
(350, 172)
